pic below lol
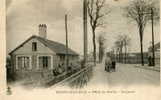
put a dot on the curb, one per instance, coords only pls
(147, 68)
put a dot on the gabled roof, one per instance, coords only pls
(56, 47)
(156, 47)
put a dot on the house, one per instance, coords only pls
(157, 53)
(37, 56)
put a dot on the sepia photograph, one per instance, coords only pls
(76, 44)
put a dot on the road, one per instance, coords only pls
(125, 75)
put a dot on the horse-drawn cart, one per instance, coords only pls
(110, 65)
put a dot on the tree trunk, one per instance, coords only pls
(94, 47)
(141, 45)
(117, 56)
(125, 53)
(142, 56)
(100, 53)
(121, 55)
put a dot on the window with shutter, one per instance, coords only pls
(44, 61)
(23, 62)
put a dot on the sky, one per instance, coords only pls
(24, 16)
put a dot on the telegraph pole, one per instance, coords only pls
(85, 30)
(66, 29)
(152, 20)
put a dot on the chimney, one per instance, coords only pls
(43, 30)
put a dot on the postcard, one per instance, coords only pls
(80, 49)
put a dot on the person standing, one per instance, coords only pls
(150, 60)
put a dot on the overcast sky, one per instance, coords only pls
(24, 16)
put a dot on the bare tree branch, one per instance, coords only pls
(96, 13)
(140, 12)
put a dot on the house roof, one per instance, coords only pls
(54, 46)
(156, 47)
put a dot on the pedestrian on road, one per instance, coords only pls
(150, 60)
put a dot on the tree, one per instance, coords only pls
(138, 11)
(119, 45)
(96, 14)
(101, 40)
(123, 41)
(126, 43)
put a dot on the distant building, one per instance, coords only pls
(131, 58)
(135, 58)
(39, 55)
(157, 52)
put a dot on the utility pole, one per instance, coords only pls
(85, 30)
(152, 20)
(66, 29)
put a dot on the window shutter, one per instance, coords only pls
(51, 62)
(17, 63)
(22, 65)
(38, 63)
(30, 63)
